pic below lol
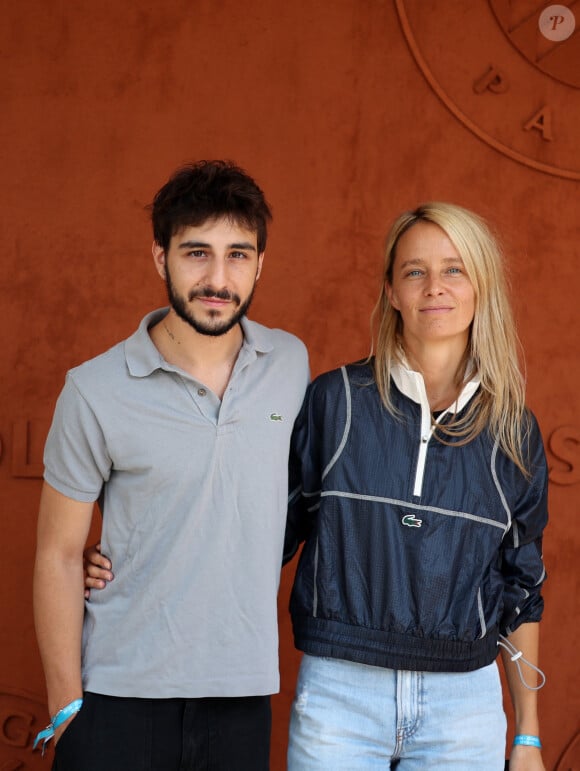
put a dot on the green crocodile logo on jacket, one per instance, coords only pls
(275, 416)
(411, 521)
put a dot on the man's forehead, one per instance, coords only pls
(218, 227)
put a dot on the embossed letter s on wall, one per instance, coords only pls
(564, 446)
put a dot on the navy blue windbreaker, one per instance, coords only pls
(418, 554)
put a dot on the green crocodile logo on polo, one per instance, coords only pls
(411, 521)
(275, 416)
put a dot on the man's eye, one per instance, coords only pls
(196, 253)
(238, 255)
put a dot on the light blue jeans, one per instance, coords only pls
(354, 716)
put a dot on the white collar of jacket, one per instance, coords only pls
(412, 385)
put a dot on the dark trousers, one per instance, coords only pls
(119, 734)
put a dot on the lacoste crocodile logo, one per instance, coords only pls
(276, 416)
(411, 521)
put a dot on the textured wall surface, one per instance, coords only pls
(346, 112)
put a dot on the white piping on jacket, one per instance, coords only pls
(416, 506)
(501, 495)
(347, 422)
(481, 614)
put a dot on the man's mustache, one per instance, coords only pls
(218, 294)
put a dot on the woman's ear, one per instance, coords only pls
(391, 296)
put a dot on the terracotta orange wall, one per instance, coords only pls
(331, 107)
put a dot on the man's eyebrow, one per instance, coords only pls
(243, 245)
(193, 245)
(203, 245)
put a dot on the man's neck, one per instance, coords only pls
(206, 358)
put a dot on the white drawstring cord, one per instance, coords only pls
(516, 656)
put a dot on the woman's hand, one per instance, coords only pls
(97, 569)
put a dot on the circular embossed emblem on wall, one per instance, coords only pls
(492, 65)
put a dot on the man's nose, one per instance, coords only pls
(216, 273)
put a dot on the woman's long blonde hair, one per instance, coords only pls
(492, 351)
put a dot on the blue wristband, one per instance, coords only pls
(57, 720)
(528, 741)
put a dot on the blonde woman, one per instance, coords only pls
(420, 491)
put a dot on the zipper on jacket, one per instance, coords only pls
(412, 385)
(426, 434)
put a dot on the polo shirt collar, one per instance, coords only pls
(141, 355)
(256, 336)
(143, 358)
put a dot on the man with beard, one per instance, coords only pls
(181, 433)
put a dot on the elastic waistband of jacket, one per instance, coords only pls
(334, 639)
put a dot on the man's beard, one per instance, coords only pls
(218, 327)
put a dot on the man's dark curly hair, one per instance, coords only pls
(207, 190)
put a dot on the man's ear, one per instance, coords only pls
(260, 263)
(159, 259)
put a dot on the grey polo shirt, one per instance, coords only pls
(193, 493)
